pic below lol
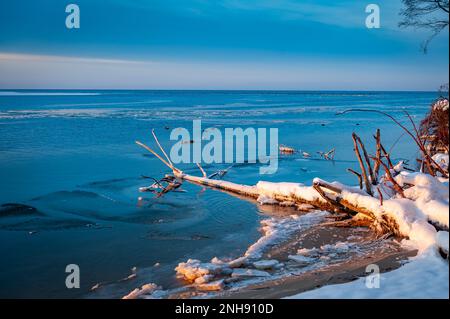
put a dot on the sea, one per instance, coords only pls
(70, 173)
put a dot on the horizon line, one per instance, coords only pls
(222, 90)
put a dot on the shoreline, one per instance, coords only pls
(333, 274)
(345, 266)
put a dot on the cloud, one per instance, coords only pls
(18, 57)
(62, 72)
(343, 13)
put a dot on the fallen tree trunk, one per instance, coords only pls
(255, 192)
(328, 199)
(321, 196)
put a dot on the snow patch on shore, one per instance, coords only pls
(426, 276)
(276, 230)
(426, 199)
(146, 290)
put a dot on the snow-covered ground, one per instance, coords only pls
(427, 274)
(418, 214)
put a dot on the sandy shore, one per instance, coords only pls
(386, 253)
(333, 274)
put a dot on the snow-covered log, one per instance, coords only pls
(406, 205)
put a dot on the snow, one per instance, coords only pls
(217, 261)
(146, 289)
(307, 256)
(339, 248)
(426, 200)
(265, 264)
(301, 260)
(308, 252)
(288, 189)
(442, 240)
(244, 272)
(429, 195)
(204, 279)
(441, 104)
(426, 276)
(193, 269)
(441, 159)
(277, 229)
(266, 200)
(238, 262)
(211, 286)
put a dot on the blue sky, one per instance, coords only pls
(223, 44)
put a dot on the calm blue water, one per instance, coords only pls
(71, 155)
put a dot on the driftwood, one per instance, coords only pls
(390, 178)
(357, 175)
(329, 156)
(328, 195)
(286, 149)
(373, 180)
(361, 165)
(345, 210)
(162, 186)
(376, 167)
(430, 163)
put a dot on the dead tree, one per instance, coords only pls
(425, 14)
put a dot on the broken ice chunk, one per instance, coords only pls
(244, 272)
(308, 252)
(265, 264)
(192, 269)
(238, 262)
(204, 279)
(266, 200)
(146, 289)
(212, 286)
(301, 260)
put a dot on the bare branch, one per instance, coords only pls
(361, 164)
(357, 175)
(425, 14)
(376, 167)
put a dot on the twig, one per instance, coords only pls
(381, 196)
(329, 186)
(389, 177)
(156, 154)
(361, 164)
(427, 158)
(327, 154)
(357, 175)
(161, 148)
(220, 173)
(387, 156)
(338, 208)
(417, 139)
(201, 169)
(376, 167)
(366, 157)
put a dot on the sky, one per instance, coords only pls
(222, 44)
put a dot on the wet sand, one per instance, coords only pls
(387, 254)
(334, 274)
